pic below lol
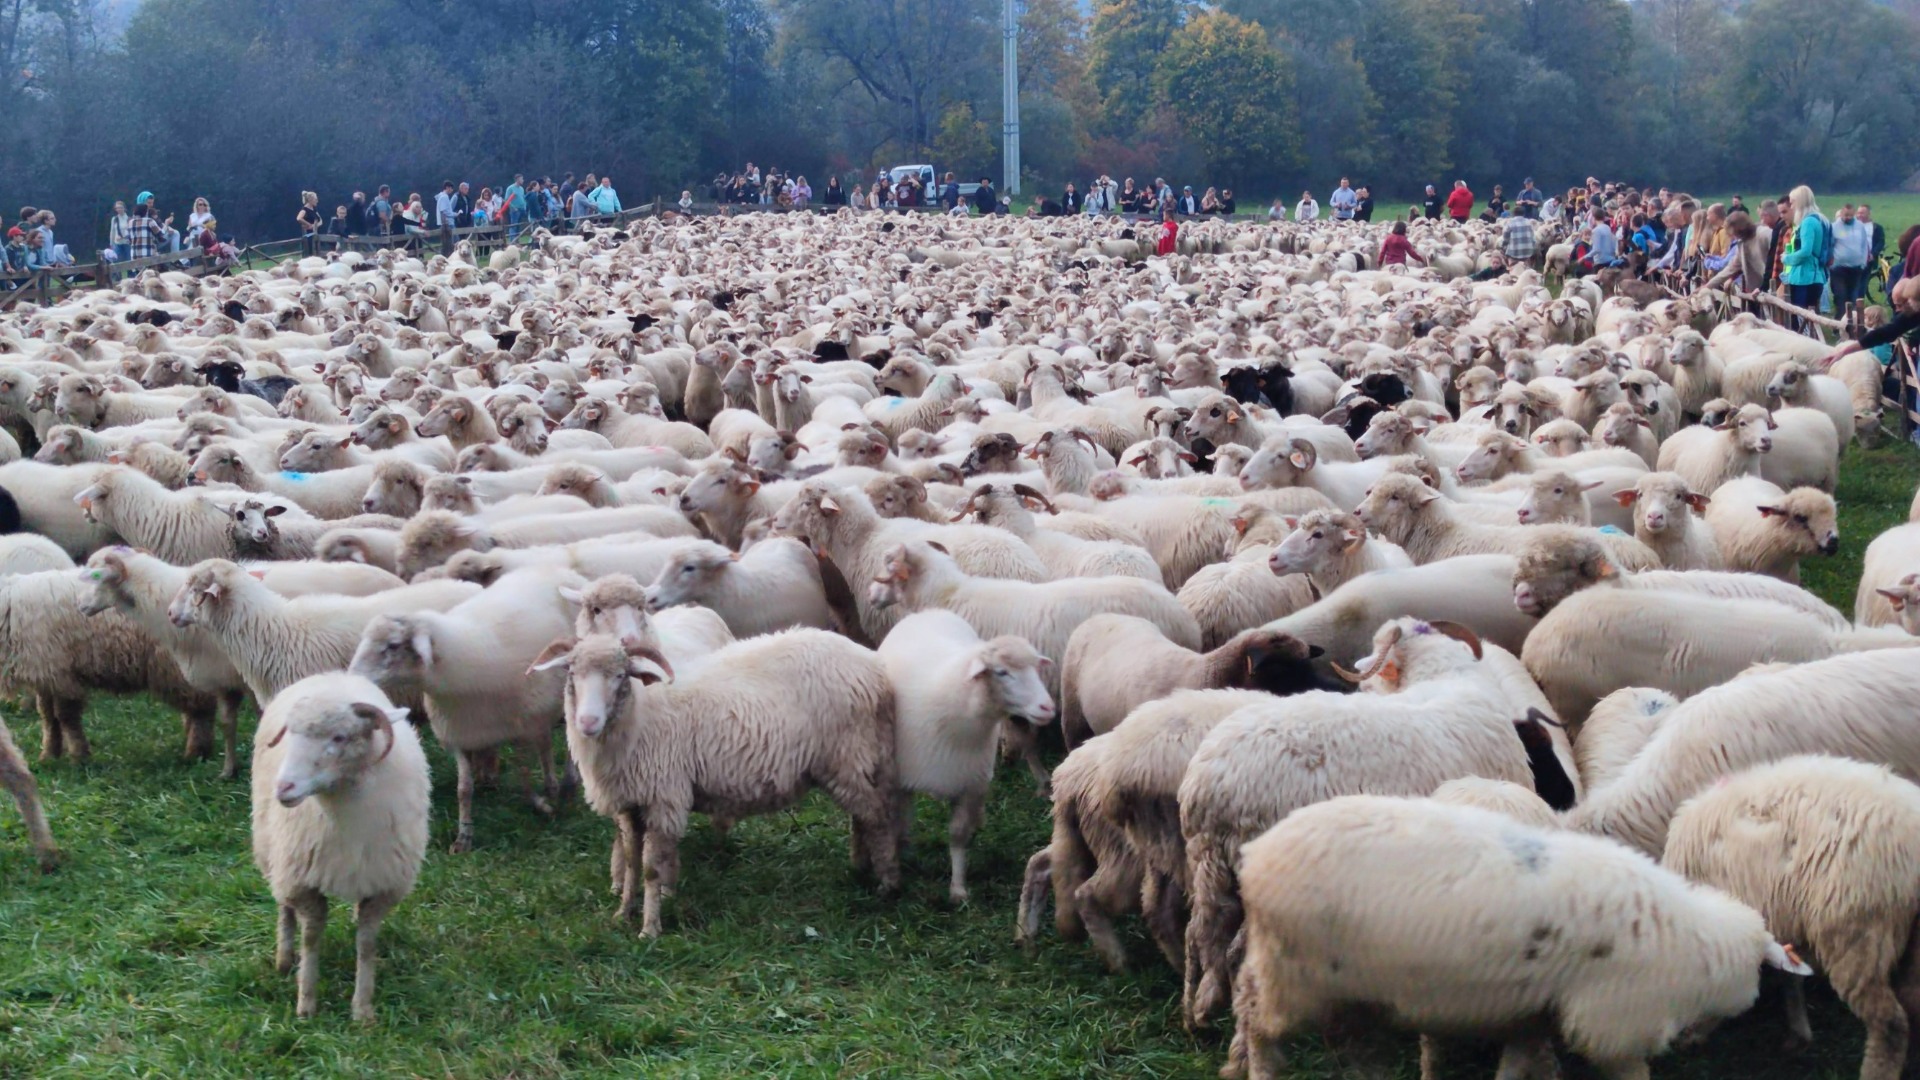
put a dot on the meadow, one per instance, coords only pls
(149, 953)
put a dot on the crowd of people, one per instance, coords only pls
(140, 233)
(520, 205)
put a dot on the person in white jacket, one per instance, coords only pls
(1307, 210)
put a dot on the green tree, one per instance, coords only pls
(1232, 93)
(908, 58)
(1124, 46)
(963, 142)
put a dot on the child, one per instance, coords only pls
(1169, 234)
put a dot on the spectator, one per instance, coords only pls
(342, 224)
(1162, 191)
(357, 215)
(1343, 202)
(514, 199)
(1005, 206)
(686, 202)
(880, 196)
(858, 197)
(835, 195)
(1396, 249)
(581, 206)
(445, 213)
(1278, 211)
(985, 199)
(1227, 205)
(117, 231)
(950, 192)
(1877, 240)
(1645, 238)
(1210, 202)
(1433, 204)
(1517, 240)
(1186, 203)
(1460, 202)
(802, 193)
(462, 207)
(1070, 200)
(202, 213)
(603, 198)
(308, 219)
(1306, 209)
(1128, 197)
(1169, 235)
(1606, 249)
(144, 236)
(1852, 248)
(1905, 298)
(54, 253)
(1497, 266)
(13, 256)
(1718, 240)
(486, 208)
(536, 196)
(1527, 203)
(1777, 229)
(413, 216)
(380, 220)
(1498, 204)
(1804, 260)
(1550, 209)
(1363, 209)
(1745, 265)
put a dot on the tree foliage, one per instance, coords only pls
(250, 101)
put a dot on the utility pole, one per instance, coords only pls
(1010, 109)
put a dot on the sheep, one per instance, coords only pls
(1667, 518)
(434, 536)
(44, 498)
(1473, 590)
(1555, 565)
(1796, 384)
(1891, 558)
(757, 725)
(1435, 714)
(1855, 706)
(18, 780)
(1331, 548)
(1697, 371)
(1429, 527)
(775, 585)
(26, 553)
(1011, 508)
(337, 494)
(1362, 901)
(1602, 639)
(1497, 454)
(1706, 457)
(855, 539)
(1091, 868)
(1828, 852)
(1763, 530)
(262, 530)
(723, 498)
(340, 803)
(1625, 428)
(51, 650)
(951, 691)
(180, 527)
(468, 664)
(1806, 450)
(624, 429)
(1184, 533)
(87, 401)
(275, 642)
(1115, 663)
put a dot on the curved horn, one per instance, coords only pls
(641, 651)
(1461, 634)
(277, 736)
(1373, 669)
(381, 723)
(1027, 492)
(967, 507)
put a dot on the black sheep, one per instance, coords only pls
(228, 375)
(9, 513)
(1286, 666)
(1354, 414)
(1270, 386)
(1385, 387)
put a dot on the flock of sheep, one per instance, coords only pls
(1395, 625)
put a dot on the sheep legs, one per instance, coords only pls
(968, 810)
(19, 783)
(71, 732)
(463, 834)
(371, 911)
(661, 853)
(1024, 740)
(548, 797)
(229, 713)
(626, 860)
(196, 728)
(1860, 976)
(870, 801)
(1163, 904)
(1034, 884)
(1098, 899)
(311, 907)
(60, 732)
(283, 940)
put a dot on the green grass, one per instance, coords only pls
(149, 953)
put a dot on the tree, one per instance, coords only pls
(963, 142)
(1232, 93)
(906, 56)
(1124, 46)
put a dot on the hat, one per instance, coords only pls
(145, 196)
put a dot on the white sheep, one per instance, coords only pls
(775, 585)
(951, 691)
(1436, 714)
(1853, 706)
(1554, 566)
(1429, 527)
(28, 553)
(1806, 450)
(1891, 557)
(750, 732)
(17, 778)
(434, 536)
(1011, 507)
(468, 663)
(1091, 869)
(1332, 547)
(44, 495)
(1828, 852)
(1473, 590)
(275, 642)
(1706, 457)
(1363, 901)
(1667, 517)
(340, 803)
(181, 527)
(1763, 530)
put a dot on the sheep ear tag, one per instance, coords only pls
(1786, 959)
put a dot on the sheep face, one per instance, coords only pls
(449, 415)
(716, 486)
(998, 452)
(601, 672)
(896, 496)
(1809, 520)
(202, 596)
(1217, 419)
(1394, 505)
(401, 384)
(1389, 433)
(1556, 497)
(433, 537)
(221, 465)
(316, 451)
(207, 399)
(616, 605)
(1554, 567)
(1905, 599)
(1413, 650)
(485, 458)
(482, 568)
(1561, 438)
(62, 446)
(1792, 383)
(394, 653)
(897, 572)
(1315, 542)
(106, 572)
(1751, 427)
(558, 399)
(810, 514)
(1013, 672)
(163, 370)
(380, 430)
(578, 480)
(526, 429)
(1616, 428)
(332, 747)
(1661, 501)
(453, 494)
(687, 579)
(588, 415)
(80, 400)
(396, 489)
(253, 522)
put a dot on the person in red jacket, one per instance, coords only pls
(1460, 202)
(1169, 234)
(1396, 249)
